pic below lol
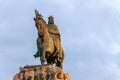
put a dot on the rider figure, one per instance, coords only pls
(54, 33)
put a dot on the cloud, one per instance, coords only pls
(93, 42)
(115, 7)
(114, 3)
(115, 48)
(66, 4)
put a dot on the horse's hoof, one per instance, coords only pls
(34, 56)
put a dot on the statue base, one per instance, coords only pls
(41, 72)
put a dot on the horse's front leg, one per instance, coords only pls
(43, 57)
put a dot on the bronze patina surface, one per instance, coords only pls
(49, 47)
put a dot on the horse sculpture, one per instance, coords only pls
(45, 44)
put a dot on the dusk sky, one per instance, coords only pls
(90, 34)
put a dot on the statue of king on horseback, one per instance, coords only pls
(49, 47)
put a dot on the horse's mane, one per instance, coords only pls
(44, 22)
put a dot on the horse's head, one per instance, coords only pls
(40, 23)
(38, 18)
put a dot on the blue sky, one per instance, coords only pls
(90, 33)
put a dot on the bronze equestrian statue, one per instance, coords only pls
(49, 47)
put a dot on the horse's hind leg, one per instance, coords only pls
(60, 58)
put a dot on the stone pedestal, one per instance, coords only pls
(41, 72)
